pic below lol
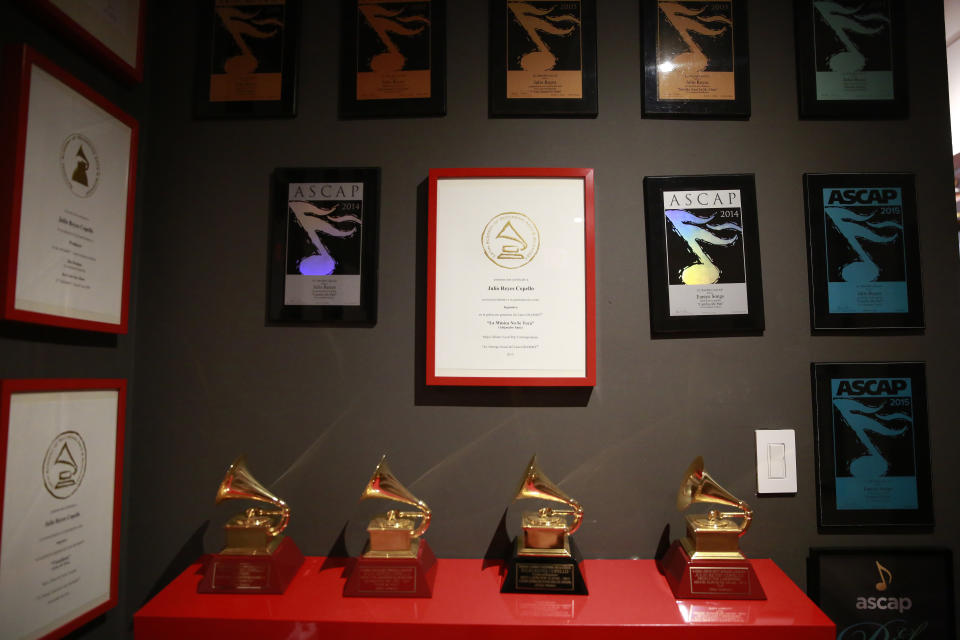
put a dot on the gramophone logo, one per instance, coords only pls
(510, 240)
(64, 464)
(80, 165)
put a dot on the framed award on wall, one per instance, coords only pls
(510, 278)
(543, 58)
(393, 58)
(872, 446)
(695, 59)
(703, 254)
(851, 58)
(324, 230)
(61, 471)
(864, 254)
(248, 58)
(66, 199)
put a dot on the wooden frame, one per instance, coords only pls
(324, 230)
(75, 427)
(66, 199)
(398, 67)
(510, 281)
(543, 64)
(703, 255)
(872, 446)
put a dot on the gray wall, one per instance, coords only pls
(315, 407)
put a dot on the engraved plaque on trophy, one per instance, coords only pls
(544, 558)
(708, 562)
(257, 558)
(396, 561)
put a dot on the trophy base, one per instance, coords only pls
(548, 573)
(709, 579)
(244, 573)
(392, 577)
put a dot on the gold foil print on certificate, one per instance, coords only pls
(393, 49)
(695, 50)
(544, 49)
(247, 50)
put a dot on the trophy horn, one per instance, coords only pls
(239, 484)
(383, 484)
(698, 486)
(536, 484)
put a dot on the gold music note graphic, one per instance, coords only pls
(534, 20)
(883, 584)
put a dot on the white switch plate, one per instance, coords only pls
(776, 461)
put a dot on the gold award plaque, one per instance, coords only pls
(544, 49)
(695, 50)
(247, 51)
(393, 49)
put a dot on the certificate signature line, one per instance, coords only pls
(60, 533)
(64, 508)
(74, 213)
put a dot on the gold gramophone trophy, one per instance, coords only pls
(708, 562)
(545, 559)
(396, 561)
(257, 558)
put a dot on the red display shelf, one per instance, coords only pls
(628, 599)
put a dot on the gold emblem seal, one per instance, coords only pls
(80, 165)
(510, 240)
(64, 464)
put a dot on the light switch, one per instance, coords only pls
(776, 461)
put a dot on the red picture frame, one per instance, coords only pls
(9, 389)
(80, 31)
(15, 118)
(478, 194)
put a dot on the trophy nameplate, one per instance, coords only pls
(257, 558)
(544, 558)
(396, 561)
(708, 563)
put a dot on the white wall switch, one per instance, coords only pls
(776, 461)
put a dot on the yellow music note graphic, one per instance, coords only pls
(883, 584)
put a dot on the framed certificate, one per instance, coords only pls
(61, 466)
(112, 30)
(864, 255)
(884, 592)
(510, 268)
(394, 58)
(695, 59)
(248, 58)
(872, 445)
(543, 58)
(324, 227)
(703, 254)
(851, 58)
(66, 199)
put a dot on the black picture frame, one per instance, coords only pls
(863, 251)
(835, 79)
(571, 76)
(872, 446)
(419, 40)
(260, 82)
(320, 272)
(723, 293)
(717, 84)
(884, 592)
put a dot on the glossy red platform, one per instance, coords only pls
(628, 599)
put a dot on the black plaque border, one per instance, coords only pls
(502, 107)
(653, 107)
(662, 324)
(364, 314)
(830, 519)
(811, 107)
(286, 107)
(434, 106)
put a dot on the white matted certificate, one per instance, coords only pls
(60, 456)
(69, 222)
(510, 289)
